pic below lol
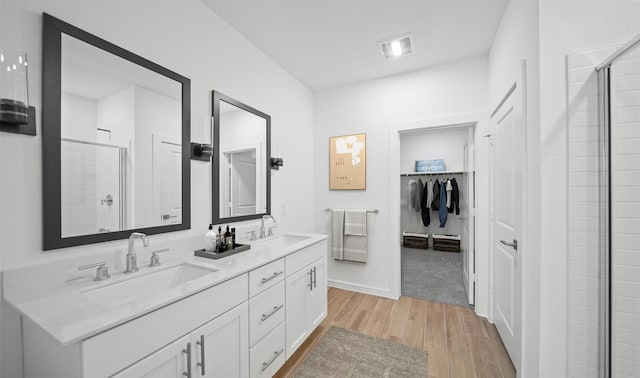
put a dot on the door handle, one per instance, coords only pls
(513, 244)
(188, 353)
(201, 344)
(310, 273)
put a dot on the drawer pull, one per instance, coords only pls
(310, 273)
(200, 343)
(267, 316)
(188, 353)
(265, 365)
(274, 275)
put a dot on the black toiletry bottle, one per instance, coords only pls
(220, 247)
(227, 239)
(233, 237)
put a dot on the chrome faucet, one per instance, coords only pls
(263, 234)
(132, 261)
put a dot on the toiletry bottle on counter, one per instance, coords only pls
(219, 241)
(228, 241)
(233, 237)
(210, 240)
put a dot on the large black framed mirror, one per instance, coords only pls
(116, 137)
(241, 161)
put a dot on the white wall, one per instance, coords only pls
(371, 108)
(515, 40)
(80, 117)
(565, 27)
(447, 145)
(217, 58)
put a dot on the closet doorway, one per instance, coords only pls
(437, 214)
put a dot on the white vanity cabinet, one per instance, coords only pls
(306, 293)
(217, 349)
(245, 326)
(155, 344)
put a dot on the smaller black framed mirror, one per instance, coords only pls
(241, 178)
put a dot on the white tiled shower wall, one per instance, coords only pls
(584, 205)
(625, 217)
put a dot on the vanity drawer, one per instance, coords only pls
(110, 351)
(266, 311)
(267, 357)
(267, 276)
(305, 256)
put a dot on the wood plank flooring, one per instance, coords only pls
(458, 342)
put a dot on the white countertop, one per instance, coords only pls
(70, 315)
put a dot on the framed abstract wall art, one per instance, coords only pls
(348, 162)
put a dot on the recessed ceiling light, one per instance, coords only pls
(395, 47)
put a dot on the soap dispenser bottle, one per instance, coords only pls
(210, 240)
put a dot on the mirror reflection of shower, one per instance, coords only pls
(94, 187)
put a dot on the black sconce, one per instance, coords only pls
(16, 116)
(202, 152)
(276, 163)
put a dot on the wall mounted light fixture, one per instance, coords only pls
(276, 163)
(201, 151)
(16, 116)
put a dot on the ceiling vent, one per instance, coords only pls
(396, 47)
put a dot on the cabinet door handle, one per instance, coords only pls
(310, 273)
(200, 343)
(188, 353)
(274, 275)
(265, 365)
(267, 316)
(315, 283)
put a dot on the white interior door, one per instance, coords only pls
(243, 183)
(167, 177)
(507, 137)
(468, 225)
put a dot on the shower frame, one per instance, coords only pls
(605, 210)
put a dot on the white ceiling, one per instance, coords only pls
(329, 43)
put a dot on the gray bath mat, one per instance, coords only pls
(343, 353)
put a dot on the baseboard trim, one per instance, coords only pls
(380, 292)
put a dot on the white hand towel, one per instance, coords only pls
(355, 222)
(337, 233)
(355, 248)
(355, 235)
(449, 189)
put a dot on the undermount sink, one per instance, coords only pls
(284, 240)
(138, 288)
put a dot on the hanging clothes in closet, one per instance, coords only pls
(454, 204)
(424, 206)
(414, 195)
(435, 203)
(443, 212)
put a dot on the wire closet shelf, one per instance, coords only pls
(374, 211)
